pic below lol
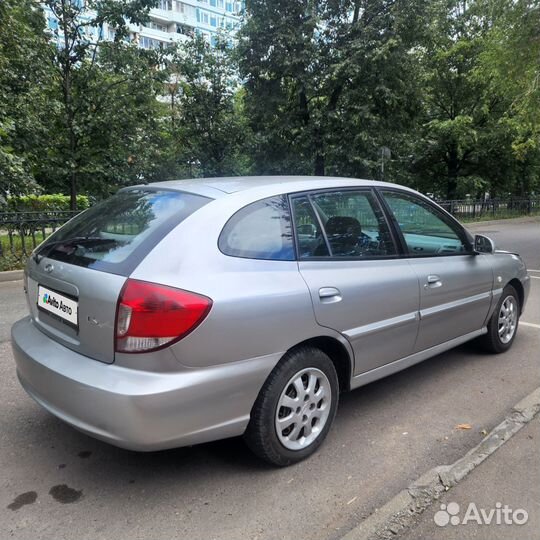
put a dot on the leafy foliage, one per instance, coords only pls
(23, 47)
(328, 82)
(468, 119)
(207, 128)
(35, 203)
(445, 92)
(95, 88)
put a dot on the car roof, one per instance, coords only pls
(219, 187)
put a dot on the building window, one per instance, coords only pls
(213, 21)
(157, 26)
(213, 3)
(184, 30)
(180, 7)
(220, 4)
(53, 23)
(150, 43)
(165, 5)
(229, 7)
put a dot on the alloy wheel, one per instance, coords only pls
(303, 409)
(508, 316)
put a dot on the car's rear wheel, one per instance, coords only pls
(295, 408)
(503, 324)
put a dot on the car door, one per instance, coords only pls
(455, 283)
(359, 286)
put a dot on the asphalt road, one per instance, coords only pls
(56, 483)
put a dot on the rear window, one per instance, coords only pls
(261, 230)
(116, 234)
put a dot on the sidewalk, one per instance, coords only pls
(510, 221)
(511, 476)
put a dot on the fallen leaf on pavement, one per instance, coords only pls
(464, 426)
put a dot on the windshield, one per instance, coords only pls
(115, 235)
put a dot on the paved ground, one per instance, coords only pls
(510, 477)
(57, 483)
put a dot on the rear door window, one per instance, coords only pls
(260, 230)
(116, 234)
(309, 237)
(353, 222)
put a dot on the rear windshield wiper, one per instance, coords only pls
(76, 240)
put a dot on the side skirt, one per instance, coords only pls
(403, 363)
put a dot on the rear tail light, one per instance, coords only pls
(151, 316)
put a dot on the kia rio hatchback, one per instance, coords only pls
(183, 312)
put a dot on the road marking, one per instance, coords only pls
(532, 270)
(534, 277)
(529, 324)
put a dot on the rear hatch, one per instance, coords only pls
(75, 277)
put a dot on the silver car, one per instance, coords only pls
(183, 312)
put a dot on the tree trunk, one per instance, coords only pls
(72, 144)
(70, 116)
(73, 192)
(319, 163)
(452, 164)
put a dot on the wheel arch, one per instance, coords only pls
(337, 352)
(518, 286)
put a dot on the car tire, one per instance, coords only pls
(295, 408)
(503, 324)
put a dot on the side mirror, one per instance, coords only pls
(483, 244)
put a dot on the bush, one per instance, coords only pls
(8, 261)
(39, 203)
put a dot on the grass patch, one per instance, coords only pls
(13, 256)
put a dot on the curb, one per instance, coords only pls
(521, 219)
(11, 275)
(402, 511)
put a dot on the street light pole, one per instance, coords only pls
(385, 153)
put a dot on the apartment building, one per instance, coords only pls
(171, 21)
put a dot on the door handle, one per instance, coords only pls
(433, 281)
(329, 295)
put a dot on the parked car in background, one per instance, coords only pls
(183, 312)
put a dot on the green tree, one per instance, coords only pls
(83, 87)
(23, 74)
(511, 59)
(328, 83)
(473, 103)
(115, 129)
(207, 131)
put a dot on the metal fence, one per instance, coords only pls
(21, 232)
(492, 208)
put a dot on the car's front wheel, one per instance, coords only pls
(295, 408)
(503, 324)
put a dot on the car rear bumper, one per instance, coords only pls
(134, 409)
